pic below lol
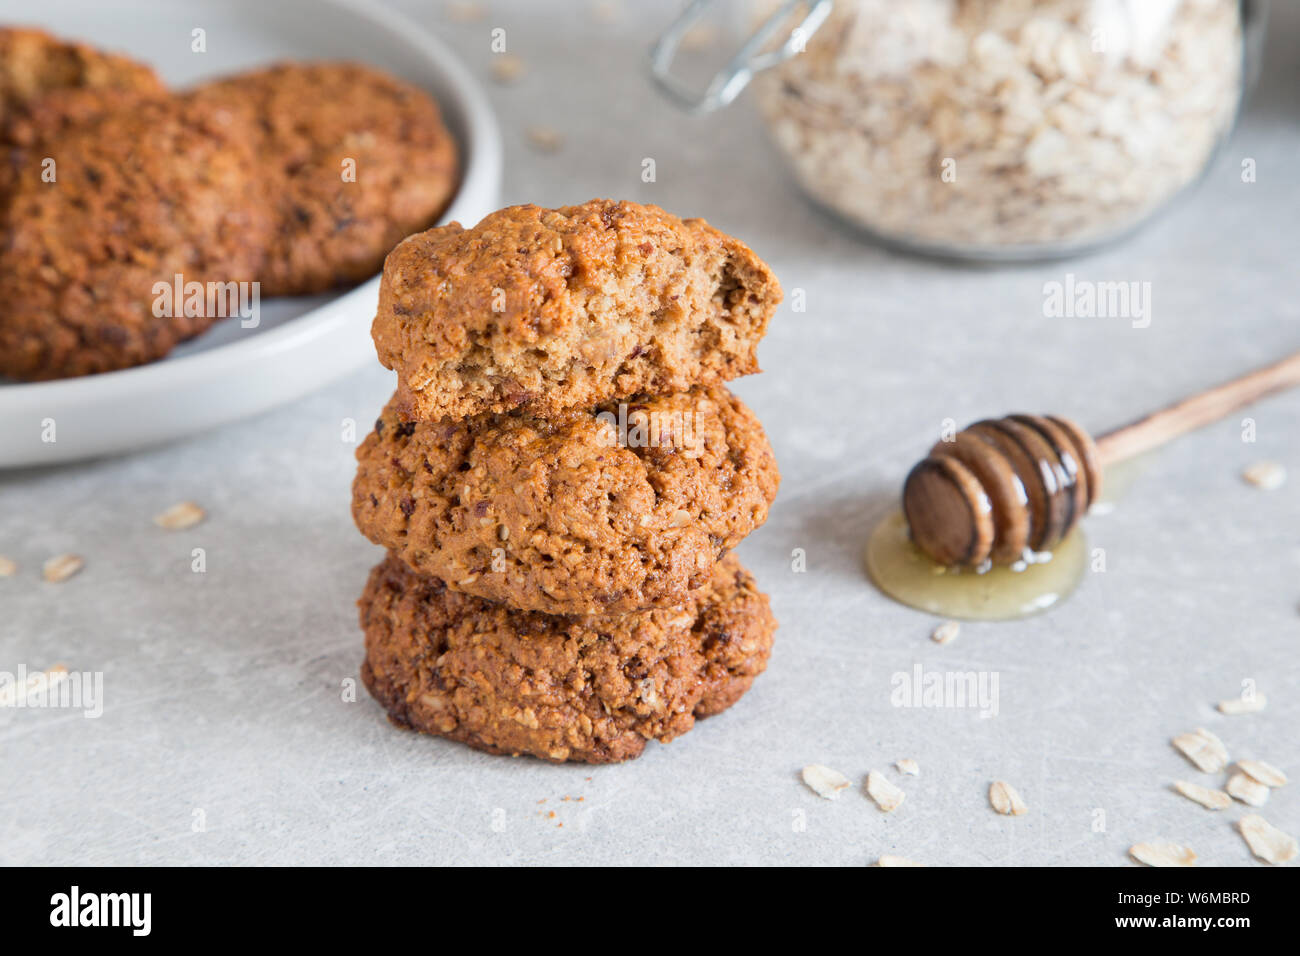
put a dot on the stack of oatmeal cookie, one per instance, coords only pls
(559, 480)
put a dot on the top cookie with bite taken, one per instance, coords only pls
(547, 310)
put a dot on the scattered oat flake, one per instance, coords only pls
(1207, 797)
(1248, 791)
(1162, 854)
(1268, 475)
(506, 67)
(1243, 705)
(946, 632)
(699, 38)
(1005, 800)
(8, 567)
(896, 861)
(14, 693)
(824, 781)
(1266, 841)
(183, 514)
(888, 796)
(606, 11)
(545, 138)
(1265, 773)
(909, 766)
(1203, 749)
(466, 11)
(61, 567)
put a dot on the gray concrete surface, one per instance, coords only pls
(223, 691)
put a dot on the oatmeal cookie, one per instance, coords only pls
(35, 65)
(548, 310)
(358, 160)
(590, 689)
(100, 211)
(575, 514)
(59, 110)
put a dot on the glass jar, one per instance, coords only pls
(1002, 129)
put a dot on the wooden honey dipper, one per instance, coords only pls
(1005, 486)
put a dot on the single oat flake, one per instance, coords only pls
(1236, 706)
(888, 796)
(8, 567)
(545, 138)
(61, 567)
(946, 632)
(888, 860)
(1203, 749)
(606, 11)
(909, 766)
(824, 781)
(1266, 841)
(507, 68)
(1205, 796)
(183, 514)
(1004, 799)
(1248, 791)
(1265, 773)
(699, 38)
(1268, 475)
(466, 11)
(1162, 854)
(13, 694)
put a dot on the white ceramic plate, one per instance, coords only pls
(301, 343)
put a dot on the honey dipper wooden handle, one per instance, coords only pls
(1200, 409)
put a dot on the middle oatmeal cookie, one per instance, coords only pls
(602, 511)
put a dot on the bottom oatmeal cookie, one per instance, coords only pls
(591, 689)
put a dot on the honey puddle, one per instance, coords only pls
(898, 568)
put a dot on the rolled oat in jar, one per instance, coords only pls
(1007, 128)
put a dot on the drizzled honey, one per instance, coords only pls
(999, 592)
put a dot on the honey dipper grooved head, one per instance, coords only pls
(1001, 487)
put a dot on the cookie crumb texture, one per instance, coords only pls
(34, 65)
(141, 195)
(556, 515)
(548, 310)
(587, 689)
(357, 160)
(298, 177)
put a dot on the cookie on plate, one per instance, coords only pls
(59, 110)
(357, 160)
(589, 689)
(34, 65)
(548, 310)
(102, 214)
(589, 512)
